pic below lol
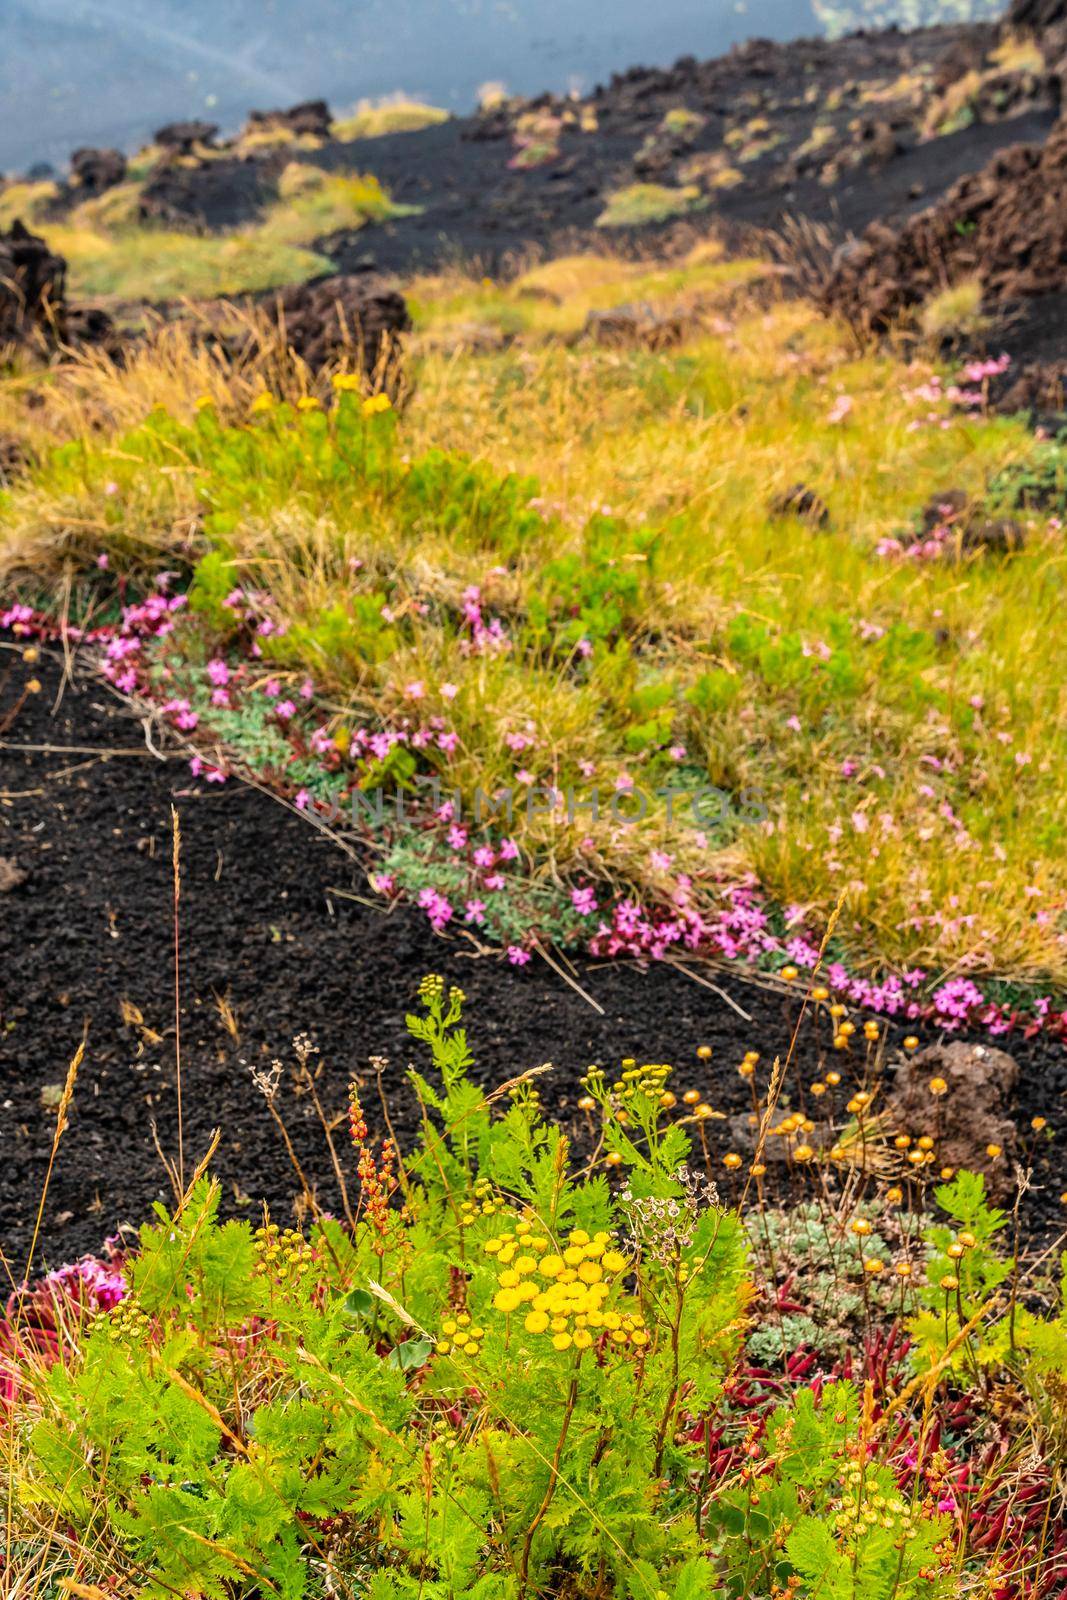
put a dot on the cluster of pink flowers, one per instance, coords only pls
(930, 546)
(736, 928)
(36, 1315)
(971, 395)
(90, 1282)
(152, 618)
(19, 619)
(437, 907)
(485, 638)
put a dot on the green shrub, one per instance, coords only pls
(389, 1402)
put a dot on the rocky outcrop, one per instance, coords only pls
(1005, 225)
(32, 298)
(33, 303)
(93, 171)
(182, 137)
(309, 117)
(356, 321)
(959, 1094)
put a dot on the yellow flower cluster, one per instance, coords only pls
(484, 1204)
(125, 1322)
(460, 1336)
(564, 1292)
(352, 383)
(285, 1257)
(634, 1082)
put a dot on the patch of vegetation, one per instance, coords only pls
(638, 617)
(114, 255)
(372, 120)
(954, 313)
(642, 203)
(502, 1370)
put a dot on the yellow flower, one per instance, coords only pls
(551, 1266)
(262, 402)
(536, 1322)
(573, 1255)
(639, 1336)
(506, 1300)
(376, 404)
(203, 400)
(509, 1279)
(590, 1272)
(347, 382)
(561, 1341)
(307, 402)
(613, 1261)
(582, 1339)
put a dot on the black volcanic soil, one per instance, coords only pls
(836, 135)
(476, 207)
(85, 925)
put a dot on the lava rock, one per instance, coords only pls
(801, 502)
(32, 279)
(93, 171)
(183, 137)
(309, 117)
(357, 317)
(13, 461)
(947, 507)
(1036, 16)
(12, 876)
(33, 304)
(969, 1117)
(222, 193)
(1005, 225)
(995, 535)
